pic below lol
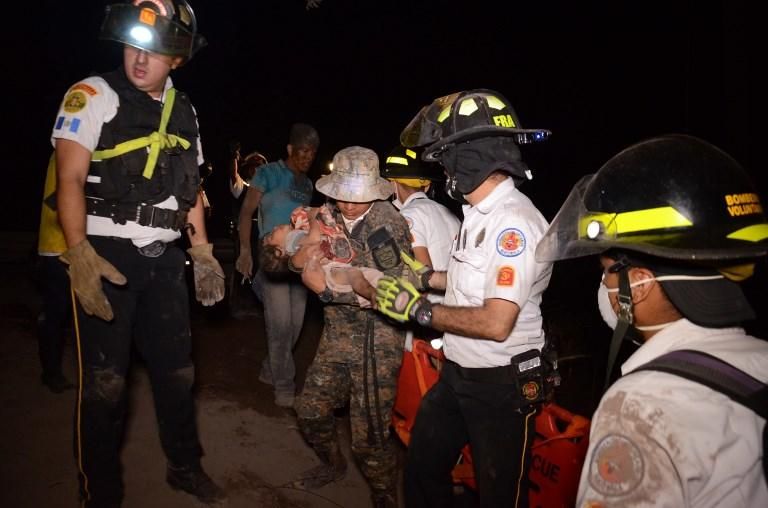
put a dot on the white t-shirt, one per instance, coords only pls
(658, 439)
(493, 257)
(87, 106)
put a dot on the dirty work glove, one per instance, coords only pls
(422, 271)
(209, 277)
(398, 299)
(86, 268)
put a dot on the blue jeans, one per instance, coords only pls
(284, 302)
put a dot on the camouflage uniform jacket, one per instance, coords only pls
(344, 307)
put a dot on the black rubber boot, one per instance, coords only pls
(195, 481)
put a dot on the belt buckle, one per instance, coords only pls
(153, 250)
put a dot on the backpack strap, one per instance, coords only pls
(720, 376)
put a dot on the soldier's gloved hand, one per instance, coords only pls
(398, 299)
(422, 271)
(244, 263)
(86, 268)
(209, 276)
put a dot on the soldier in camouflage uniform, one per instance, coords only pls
(360, 351)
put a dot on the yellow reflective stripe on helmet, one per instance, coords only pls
(494, 102)
(467, 107)
(410, 153)
(615, 224)
(753, 233)
(156, 141)
(397, 160)
(444, 114)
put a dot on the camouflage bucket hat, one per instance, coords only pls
(355, 177)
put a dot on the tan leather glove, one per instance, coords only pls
(86, 268)
(244, 263)
(209, 276)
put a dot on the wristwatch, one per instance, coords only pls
(423, 313)
(326, 295)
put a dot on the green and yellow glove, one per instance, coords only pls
(397, 298)
(422, 271)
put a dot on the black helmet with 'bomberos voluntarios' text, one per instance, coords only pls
(675, 197)
(167, 27)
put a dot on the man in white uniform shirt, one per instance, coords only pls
(433, 227)
(127, 156)
(676, 223)
(490, 317)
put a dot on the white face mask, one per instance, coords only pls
(606, 309)
(609, 315)
(396, 202)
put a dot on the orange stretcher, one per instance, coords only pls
(559, 446)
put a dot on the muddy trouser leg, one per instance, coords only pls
(284, 305)
(374, 385)
(105, 350)
(163, 339)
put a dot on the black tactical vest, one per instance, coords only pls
(138, 115)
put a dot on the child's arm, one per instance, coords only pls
(361, 286)
(361, 280)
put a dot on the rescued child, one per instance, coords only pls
(313, 234)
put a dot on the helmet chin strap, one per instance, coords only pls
(450, 188)
(626, 319)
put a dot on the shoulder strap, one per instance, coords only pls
(720, 376)
(716, 374)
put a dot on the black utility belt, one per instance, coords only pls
(533, 375)
(504, 375)
(140, 213)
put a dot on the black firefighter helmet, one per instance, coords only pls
(406, 166)
(675, 197)
(167, 27)
(472, 133)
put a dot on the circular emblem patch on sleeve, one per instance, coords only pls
(510, 242)
(75, 101)
(616, 466)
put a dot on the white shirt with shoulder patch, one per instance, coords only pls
(433, 227)
(493, 257)
(86, 107)
(658, 439)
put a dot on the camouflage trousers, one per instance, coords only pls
(356, 363)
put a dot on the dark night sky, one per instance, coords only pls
(599, 75)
